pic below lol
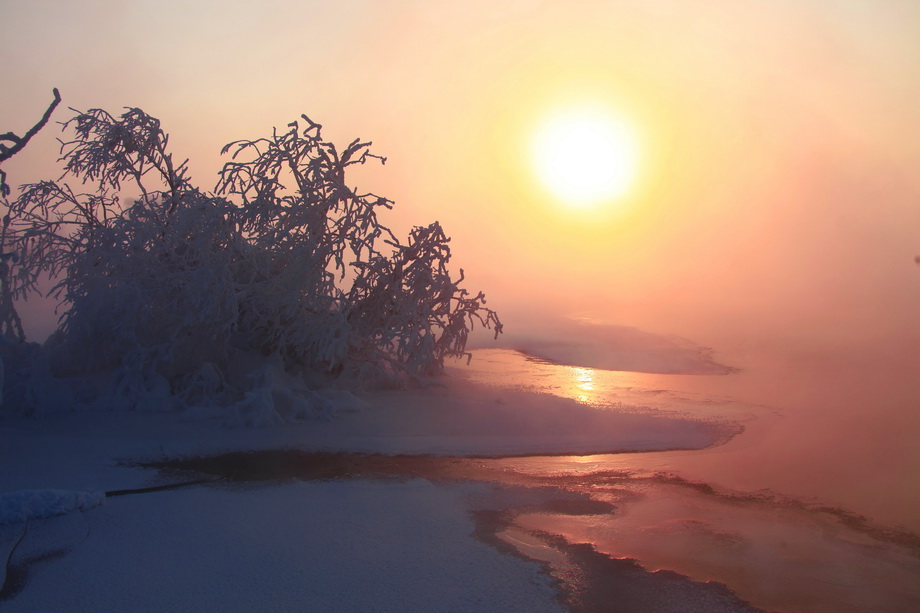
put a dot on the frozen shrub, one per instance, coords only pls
(29, 388)
(283, 260)
(406, 311)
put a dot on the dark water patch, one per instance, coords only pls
(579, 507)
(290, 464)
(156, 488)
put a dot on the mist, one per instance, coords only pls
(747, 314)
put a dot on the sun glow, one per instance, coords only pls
(585, 157)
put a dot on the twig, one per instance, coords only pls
(18, 143)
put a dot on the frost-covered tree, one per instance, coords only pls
(170, 293)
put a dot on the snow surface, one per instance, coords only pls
(331, 546)
(81, 450)
(339, 545)
(37, 504)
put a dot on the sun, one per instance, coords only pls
(585, 157)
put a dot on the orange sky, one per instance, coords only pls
(779, 189)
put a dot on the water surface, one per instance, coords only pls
(812, 508)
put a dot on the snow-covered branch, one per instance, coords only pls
(283, 260)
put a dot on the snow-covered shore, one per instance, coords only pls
(327, 546)
(351, 545)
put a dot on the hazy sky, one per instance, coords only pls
(778, 191)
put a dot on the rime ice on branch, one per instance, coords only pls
(283, 259)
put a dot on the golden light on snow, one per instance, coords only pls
(585, 157)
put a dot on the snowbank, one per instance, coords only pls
(611, 347)
(80, 450)
(38, 504)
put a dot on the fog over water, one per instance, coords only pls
(811, 508)
(829, 423)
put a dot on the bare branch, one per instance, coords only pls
(19, 143)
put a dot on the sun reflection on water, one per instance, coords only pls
(583, 389)
(623, 391)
